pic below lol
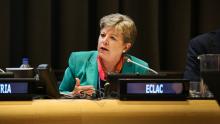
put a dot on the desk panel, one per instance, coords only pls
(67, 111)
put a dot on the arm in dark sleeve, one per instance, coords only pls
(196, 47)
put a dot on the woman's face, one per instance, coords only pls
(111, 44)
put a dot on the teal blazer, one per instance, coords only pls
(83, 65)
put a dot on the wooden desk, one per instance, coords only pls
(109, 112)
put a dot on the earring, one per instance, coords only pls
(123, 51)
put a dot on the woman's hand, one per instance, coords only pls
(83, 90)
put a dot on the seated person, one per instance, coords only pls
(208, 43)
(87, 70)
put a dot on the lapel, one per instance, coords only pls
(92, 71)
(215, 43)
(127, 67)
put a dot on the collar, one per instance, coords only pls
(103, 72)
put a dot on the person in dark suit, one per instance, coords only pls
(207, 43)
(87, 70)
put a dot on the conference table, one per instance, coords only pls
(109, 111)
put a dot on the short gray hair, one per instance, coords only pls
(121, 23)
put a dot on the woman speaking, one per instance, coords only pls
(87, 70)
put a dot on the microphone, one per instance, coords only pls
(129, 60)
(2, 71)
(107, 89)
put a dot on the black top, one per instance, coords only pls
(208, 43)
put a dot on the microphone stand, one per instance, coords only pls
(129, 60)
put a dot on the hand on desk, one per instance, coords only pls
(82, 91)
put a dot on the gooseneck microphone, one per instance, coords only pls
(2, 71)
(129, 60)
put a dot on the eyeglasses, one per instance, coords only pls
(102, 93)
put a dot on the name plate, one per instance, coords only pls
(13, 87)
(156, 89)
(16, 88)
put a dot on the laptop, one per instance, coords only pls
(47, 84)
